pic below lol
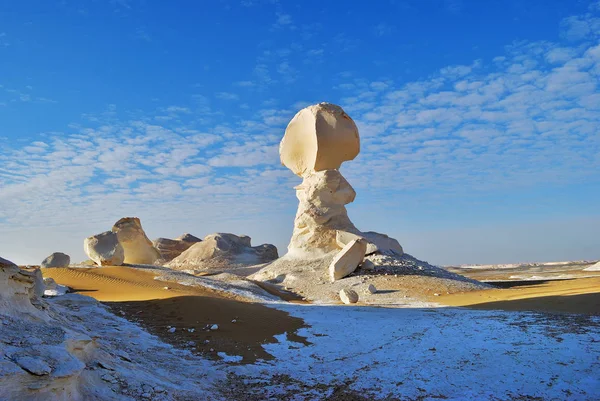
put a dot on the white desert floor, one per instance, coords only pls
(377, 353)
(348, 353)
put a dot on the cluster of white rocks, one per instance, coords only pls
(127, 243)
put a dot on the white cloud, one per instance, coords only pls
(227, 96)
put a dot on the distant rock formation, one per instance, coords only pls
(171, 248)
(104, 249)
(222, 250)
(188, 238)
(136, 245)
(57, 259)
(592, 268)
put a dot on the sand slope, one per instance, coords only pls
(116, 283)
(569, 296)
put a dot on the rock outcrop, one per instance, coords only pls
(20, 290)
(104, 249)
(136, 245)
(70, 347)
(169, 249)
(57, 259)
(325, 244)
(222, 250)
(316, 142)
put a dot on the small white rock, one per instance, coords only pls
(166, 288)
(436, 294)
(348, 296)
(214, 327)
(371, 289)
(172, 330)
(233, 321)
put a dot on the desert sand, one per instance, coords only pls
(565, 296)
(133, 293)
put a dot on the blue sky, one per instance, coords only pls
(479, 121)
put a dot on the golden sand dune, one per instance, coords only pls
(117, 283)
(568, 296)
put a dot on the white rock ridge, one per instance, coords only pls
(138, 248)
(104, 249)
(57, 259)
(222, 250)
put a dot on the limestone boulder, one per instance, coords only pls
(57, 259)
(376, 242)
(593, 268)
(319, 137)
(223, 250)
(348, 259)
(136, 245)
(104, 249)
(348, 296)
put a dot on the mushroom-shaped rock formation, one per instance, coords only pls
(57, 259)
(316, 142)
(325, 245)
(171, 248)
(104, 249)
(319, 137)
(138, 248)
(222, 251)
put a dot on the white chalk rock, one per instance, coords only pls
(348, 259)
(138, 248)
(376, 242)
(348, 296)
(593, 268)
(57, 259)
(222, 250)
(319, 137)
(321, 213)
(104, 249)
(20, 290)
(371, 289)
